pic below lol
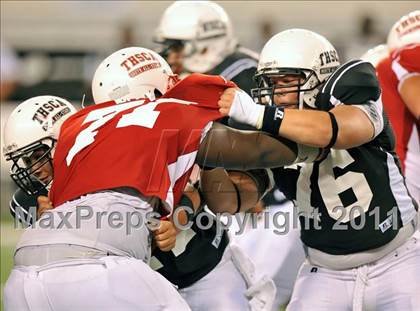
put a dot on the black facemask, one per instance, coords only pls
(266, 87)
(25, 166)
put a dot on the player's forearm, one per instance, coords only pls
(247, 189)
(218, 191)
(342, 127)
(192, 193)
(191, 198)
(315, 128)
(230, 192)
(234, 149)
(309, 127)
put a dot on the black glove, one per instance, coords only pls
(24, 207)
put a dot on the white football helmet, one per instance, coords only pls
(297, 52)
(376, 54)
(203, 29)
(131, 73)
(33, 128)
(405, 31)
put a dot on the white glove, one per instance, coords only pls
(261, 290)
(262, 294)
(244, 110)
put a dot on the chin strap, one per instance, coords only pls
(301, 95)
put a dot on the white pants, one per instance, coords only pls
(278, 256)
(231, 285)
(391, 283)
(106, 284)
(91, 222)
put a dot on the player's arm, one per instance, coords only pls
(165, 234)
(352, 112)
(315, 128)
(243, 150)
(234, 191)
(410, 94)
(188, 206)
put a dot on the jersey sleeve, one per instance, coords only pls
(200, 88)
(354, 83)
(245, 79)
(405, 63)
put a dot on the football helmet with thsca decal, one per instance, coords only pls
(299, 53)
(202, 29)
(30, 134)
(132, 73)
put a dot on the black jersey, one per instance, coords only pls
(23, 206)
(356, 199)
(239, 67)
(196, 253)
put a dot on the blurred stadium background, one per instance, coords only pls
(53, 47)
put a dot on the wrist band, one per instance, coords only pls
(273, 117)
(238, 197)
(334, 131)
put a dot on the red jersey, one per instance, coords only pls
(392, 71)
(147, 145)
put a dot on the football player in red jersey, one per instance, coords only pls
(203, 257)
(91, 181)
(399, 76)
(31, 134)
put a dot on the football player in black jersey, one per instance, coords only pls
(204, 43)
(357, 218)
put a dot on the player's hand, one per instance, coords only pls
(44, 204)
(226, 100)
(238, 105)
(165, 235)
